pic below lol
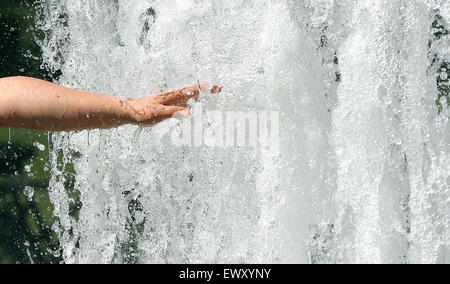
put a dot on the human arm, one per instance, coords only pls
(36, 104)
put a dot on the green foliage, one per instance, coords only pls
(25, 223)
(439, 31)
(25, 226)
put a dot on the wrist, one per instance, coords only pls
(125, 113)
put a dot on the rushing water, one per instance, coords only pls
(362, 173)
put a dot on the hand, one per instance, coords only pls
(152, 110)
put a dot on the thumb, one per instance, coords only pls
(180, 114)
(174, 112)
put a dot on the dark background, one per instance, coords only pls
(25, 234)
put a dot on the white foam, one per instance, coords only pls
(362, 173)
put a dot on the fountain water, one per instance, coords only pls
(362, 172)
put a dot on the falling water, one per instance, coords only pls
(362, 173)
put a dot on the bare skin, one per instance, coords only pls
(36, 104)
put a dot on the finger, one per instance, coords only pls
(178, 97)
(182, 96)
(216, 90)
(165, 112)
(173, 112)
(181, 113)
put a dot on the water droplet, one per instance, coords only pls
(48, 145)
(39, 146)
(28, 191)
(28, 168)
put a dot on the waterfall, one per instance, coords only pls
(359, 90)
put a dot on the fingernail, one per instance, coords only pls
(216, 90)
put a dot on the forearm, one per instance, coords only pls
(31, 103)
